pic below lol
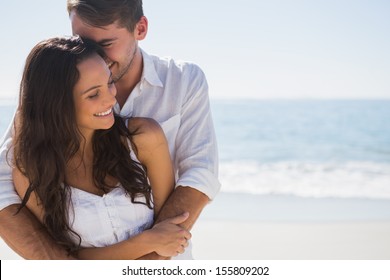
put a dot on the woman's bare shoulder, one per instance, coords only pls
(147, 133)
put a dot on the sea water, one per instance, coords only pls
(304, 148)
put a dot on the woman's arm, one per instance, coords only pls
(166, 239)
(152, 151)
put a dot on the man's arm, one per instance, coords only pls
(196, 152)
(24, 234)
(183, 199)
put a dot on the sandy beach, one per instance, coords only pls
(291, 241)
(239, 227)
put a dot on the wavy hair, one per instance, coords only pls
(47, 136)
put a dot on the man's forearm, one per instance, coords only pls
(24, 234)
(183, 199)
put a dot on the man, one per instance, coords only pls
(173, 93)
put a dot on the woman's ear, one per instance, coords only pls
(141, 29)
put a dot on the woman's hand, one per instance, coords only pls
(169, 238)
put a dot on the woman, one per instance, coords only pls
(93, 179)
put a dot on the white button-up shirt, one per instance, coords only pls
(175, 94)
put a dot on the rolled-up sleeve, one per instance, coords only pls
(8, 195)
(196, 145)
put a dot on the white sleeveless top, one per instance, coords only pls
(105, 220)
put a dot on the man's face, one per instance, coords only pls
(118, 42)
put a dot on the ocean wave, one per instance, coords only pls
(308, 179)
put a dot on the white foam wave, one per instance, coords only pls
(344, 180)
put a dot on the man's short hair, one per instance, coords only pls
(99, 13)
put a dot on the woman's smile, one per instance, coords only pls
(104, 114)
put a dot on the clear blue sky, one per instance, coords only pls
(247, 48)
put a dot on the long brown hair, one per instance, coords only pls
(48, 137)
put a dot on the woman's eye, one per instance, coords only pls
(93, 95)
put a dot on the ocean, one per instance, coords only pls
(302, 148)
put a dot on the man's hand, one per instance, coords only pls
(183, 199)
(24, 234)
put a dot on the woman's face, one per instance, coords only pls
(94, 95)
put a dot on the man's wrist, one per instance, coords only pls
(184, 199)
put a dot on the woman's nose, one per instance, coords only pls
(112, 89)
(110, 95)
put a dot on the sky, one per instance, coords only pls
(279, 49)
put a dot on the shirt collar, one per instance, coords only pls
(149, 72)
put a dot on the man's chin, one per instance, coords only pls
(116, 78)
